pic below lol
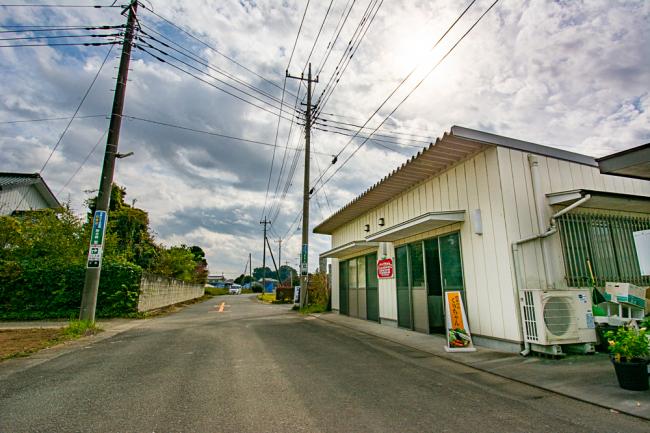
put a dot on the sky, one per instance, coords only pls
(568, 74)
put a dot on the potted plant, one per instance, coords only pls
(629, 347)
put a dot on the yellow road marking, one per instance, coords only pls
(221, 307)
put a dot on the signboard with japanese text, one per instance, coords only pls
(459, 339)
(385, 268)
(97, 240)
(303, 259)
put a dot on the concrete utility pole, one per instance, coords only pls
(250, 270)
(94, 264)
(304, 252)
(265, 222)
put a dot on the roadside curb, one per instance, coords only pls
(449, 357)
(16, 365)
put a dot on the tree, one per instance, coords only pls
(287, 274)
(259, 273)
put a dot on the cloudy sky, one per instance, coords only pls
(571, 74)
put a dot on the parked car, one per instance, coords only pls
(235, 289)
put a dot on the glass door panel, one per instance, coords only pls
(372, 288)
(343, 287)
(403, 292)
(418, 287)
(451, 265)
(434, 286)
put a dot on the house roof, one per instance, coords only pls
(453, 147)
(14, 180)
(634, 162)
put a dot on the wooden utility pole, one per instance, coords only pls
(250, 270)
(100, 218)
(265, 222)
(304, 251)
(279, 241)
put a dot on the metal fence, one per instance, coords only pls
(606, 243)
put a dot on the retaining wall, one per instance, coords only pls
(157, 292)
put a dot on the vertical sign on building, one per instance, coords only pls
(303, 259)
(459, 338)
(97, 239)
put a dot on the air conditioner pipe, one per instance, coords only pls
(543, 233)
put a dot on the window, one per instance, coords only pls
(603, 242)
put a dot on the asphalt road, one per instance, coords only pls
(261, 368)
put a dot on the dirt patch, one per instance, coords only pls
(21, 342)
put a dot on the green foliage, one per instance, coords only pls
(288, 275)
(258, 273)
(243, 279)
(80, 328)
(318, 293)
(42, 261)
(216, 291)
(53, 290)
(628, 343)
(313, 308)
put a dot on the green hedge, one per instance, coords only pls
(53, 290)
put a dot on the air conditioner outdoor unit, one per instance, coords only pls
(557, 317)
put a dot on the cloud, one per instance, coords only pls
(568, 74)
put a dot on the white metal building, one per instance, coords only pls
(25, 191)
(494, 217)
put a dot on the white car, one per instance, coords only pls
(235, 289)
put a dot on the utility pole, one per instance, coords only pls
(250, 270)
(304, 252)
(265, 222)
(279, 241)
(94, 264)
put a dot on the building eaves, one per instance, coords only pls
(453, 147)
(15, 180)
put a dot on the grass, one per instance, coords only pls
(266, 297)
(313, 308)
(16, 343)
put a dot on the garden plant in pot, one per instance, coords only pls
(629, 347)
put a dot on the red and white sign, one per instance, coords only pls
(385, 268)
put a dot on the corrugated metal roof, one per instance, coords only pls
(13, 180)
(453, 147)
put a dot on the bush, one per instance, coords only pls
(216, 291)
(256, 288)
(53, 290)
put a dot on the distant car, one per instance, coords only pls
(234, 290)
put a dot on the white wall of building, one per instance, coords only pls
(21, 198)
(497, 181)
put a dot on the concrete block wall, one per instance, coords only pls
(158, 292)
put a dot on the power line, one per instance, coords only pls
(277, 131)
(51, 118)
(335, 36)
(215, 134)
(202, 61)
(340, 69)
(22, 38)
(84, 44)
(203, 72)
(416, 86)
(24, 29)
(83, 99)
(400, 84)
(83, 162)
(209, 46)
(138, 46)
(61, 6)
